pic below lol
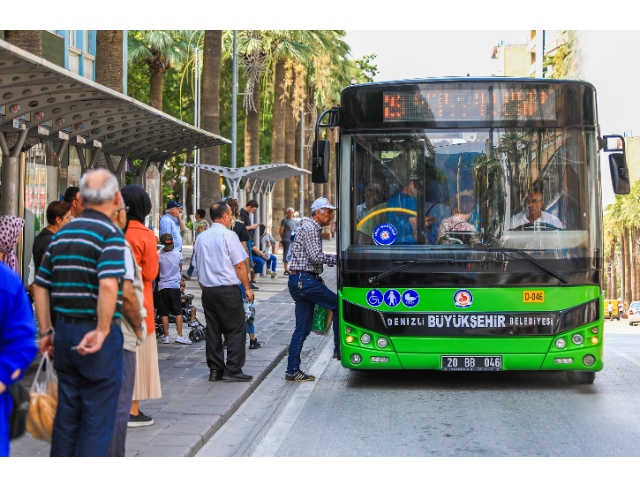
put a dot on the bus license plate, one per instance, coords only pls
(471, 363)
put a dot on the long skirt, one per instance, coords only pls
(147, 384)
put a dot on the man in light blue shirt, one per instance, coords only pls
(171, 222)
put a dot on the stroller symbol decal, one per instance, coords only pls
(374, 298)
(410, 298)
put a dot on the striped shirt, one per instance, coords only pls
(306, 249)
(84, 251)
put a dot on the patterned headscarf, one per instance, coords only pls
(10, 228)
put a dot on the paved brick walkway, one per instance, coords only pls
(191, 408)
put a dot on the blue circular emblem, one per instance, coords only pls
(410, 298)
(463, 298)
(392, 298)
(384, 234)
(374, 298)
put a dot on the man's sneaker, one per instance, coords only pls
(254, 287)
(140, 420)
(286, 273)
(253, 344)
(183, 340)
(164, 339)
(298, 377)
(186, 277)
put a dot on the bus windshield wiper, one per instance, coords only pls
(408, 263)
(521, 252)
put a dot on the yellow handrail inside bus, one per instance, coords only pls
(384, 210)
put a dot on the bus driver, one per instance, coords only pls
(533, 212)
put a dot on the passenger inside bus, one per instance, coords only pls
(375, 193)
(456, 228)
(405, 224)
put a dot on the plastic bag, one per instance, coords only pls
(43, 401)
(322, 318)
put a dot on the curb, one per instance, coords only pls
(236, 405)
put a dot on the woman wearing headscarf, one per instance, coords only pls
(10, 228)
(143, 243)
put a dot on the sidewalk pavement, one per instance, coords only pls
(192, 409)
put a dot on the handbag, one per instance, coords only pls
(18, 417)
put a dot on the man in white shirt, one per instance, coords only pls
(533, 213)
(220, 259)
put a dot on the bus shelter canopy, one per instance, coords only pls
(256, 179)
(51, 103)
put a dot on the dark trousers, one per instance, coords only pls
(88, 391)
(307, 295)
(119, 438)
(224, 312)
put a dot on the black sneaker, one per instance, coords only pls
(253, 344)
(140, 420)
(239, 377)
(298, 377)
(186, 277)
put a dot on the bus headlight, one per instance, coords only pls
(356, 358)
(589, 360)
(561, 343)
(594, 340)
(594, 330)
(365, 338)
(577, 339)
(349, 339)
(348, 329)
(382, 343)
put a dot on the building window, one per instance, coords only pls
(74, 60)
(72, 38)
(89, 62)
(85, 41)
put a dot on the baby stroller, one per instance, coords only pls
(196, 334)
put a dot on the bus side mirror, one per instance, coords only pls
(619, 173)
(320, 168)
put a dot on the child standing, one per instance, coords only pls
(169, 297)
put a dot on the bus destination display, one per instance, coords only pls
(471, 105)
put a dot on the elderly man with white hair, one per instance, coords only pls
(81, 277)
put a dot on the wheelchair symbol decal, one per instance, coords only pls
(374, 298)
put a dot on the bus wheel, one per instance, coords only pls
(580, 377)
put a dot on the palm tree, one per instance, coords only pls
(29, 40)
(109, 59)
(210, 114)
(161, 50)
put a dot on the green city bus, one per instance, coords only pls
(469, 224)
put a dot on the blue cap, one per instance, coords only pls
(173, 204)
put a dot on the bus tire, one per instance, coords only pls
(580, 377)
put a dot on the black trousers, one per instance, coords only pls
(224, 312)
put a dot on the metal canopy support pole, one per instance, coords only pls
(10, 177)
(301, 183)
(234, 102)
(109, 163)
(83, 161)
(62, 149)
(94, 159)
(195, 201)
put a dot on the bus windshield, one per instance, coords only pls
(434, 193)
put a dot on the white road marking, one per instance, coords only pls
(269, 446)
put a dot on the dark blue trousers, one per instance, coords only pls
(88, 391)
(307, 295)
